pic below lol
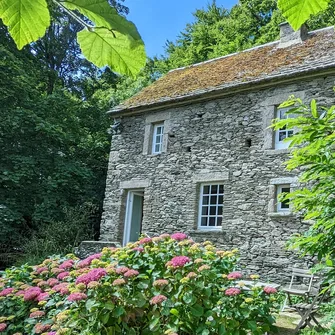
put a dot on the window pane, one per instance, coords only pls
(282, 114)
(214, 189)
(221, 189)
(205, 200)
(285, 190)
(203, 221)
(219, 222)
(285, 204)
(157, 148)
(213, 199)
(204, 210)
(212, 210)
(220, 202)
(158, 139)
(282, 135)
(220, 210)
(159, 130)
(290, 133)
(206, 189)
(212, 221)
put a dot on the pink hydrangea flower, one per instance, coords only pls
(3, 326)
(158, 299)
(43, 297)
(67, 264)
(160, 283)
(93, 275)
(51, 333)
(145, 240)
(118, 282)
(138, 249)
(234, 275)
(179, 261)
(63, 275)
(87, 261)
(163, 236)
(37, 314)
(179, 236)
(77, 296)
(41, 269)
(121, 270)
(41, 328)
(32, 293)
(62, 288)
(204, 267)
(42, 283)
(6, 291)
(52, 282)
(269, 290)
(131, 273)
(232, 291)
(191, 275)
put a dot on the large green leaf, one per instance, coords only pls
(103, 15)
(298, 12)
(103, 47)
(27, 20)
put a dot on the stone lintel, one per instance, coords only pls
(283, 180)
(211, 177)
(134, 183)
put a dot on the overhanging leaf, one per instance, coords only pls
(103, 15)
(297, 12)
(102, 47)
(27, 20)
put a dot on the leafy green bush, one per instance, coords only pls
(164, 285)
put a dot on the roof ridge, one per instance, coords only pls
(313, 32)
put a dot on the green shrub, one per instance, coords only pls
(164, 285)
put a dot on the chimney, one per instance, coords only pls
(290, 37)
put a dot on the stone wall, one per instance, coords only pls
(225, 139)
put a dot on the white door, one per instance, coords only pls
(134, 214)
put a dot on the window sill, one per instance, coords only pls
(281, 215)
(271, 152)
(207, 231)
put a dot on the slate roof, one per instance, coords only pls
(256, 65)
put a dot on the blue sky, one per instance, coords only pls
(161, 20)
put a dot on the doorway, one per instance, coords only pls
(134, 215)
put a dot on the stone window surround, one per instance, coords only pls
(272, 206)
(150, 121)
(270, 109)
(206, 177)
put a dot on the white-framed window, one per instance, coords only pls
(157, 138)
(283, 133)
(210, 206)
(284, 205)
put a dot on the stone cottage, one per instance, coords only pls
(194, 153)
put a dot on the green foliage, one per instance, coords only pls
(27, 20)
(109, 41)
(313, 154)
(297, 12)
(59, 237)
(138, 289)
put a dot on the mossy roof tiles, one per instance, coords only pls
(249, 66)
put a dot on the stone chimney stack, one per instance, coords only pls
(289, 37)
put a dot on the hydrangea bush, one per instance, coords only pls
(164, 285)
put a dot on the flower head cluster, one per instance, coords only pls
(41, 328)
(179, 236)
(131, 273)
(160, 283)
(56, 271)
(191, 275)
(234, 275)
(3, 326)
(204, 267)
(63, 275)
(164, 236)
(62, 288)
(6, 291)
(52, 282)
(118, 282)
(269, 290)
(232, 291)
(66, 265)
(179, 261)
(42, 297)
(77, 296)
(121, 270)
(36, 314)
(32, 293)
(41, 269)
(87, 261)
(139, 249)
(145, 240)
(158, 299)
(93, 275)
